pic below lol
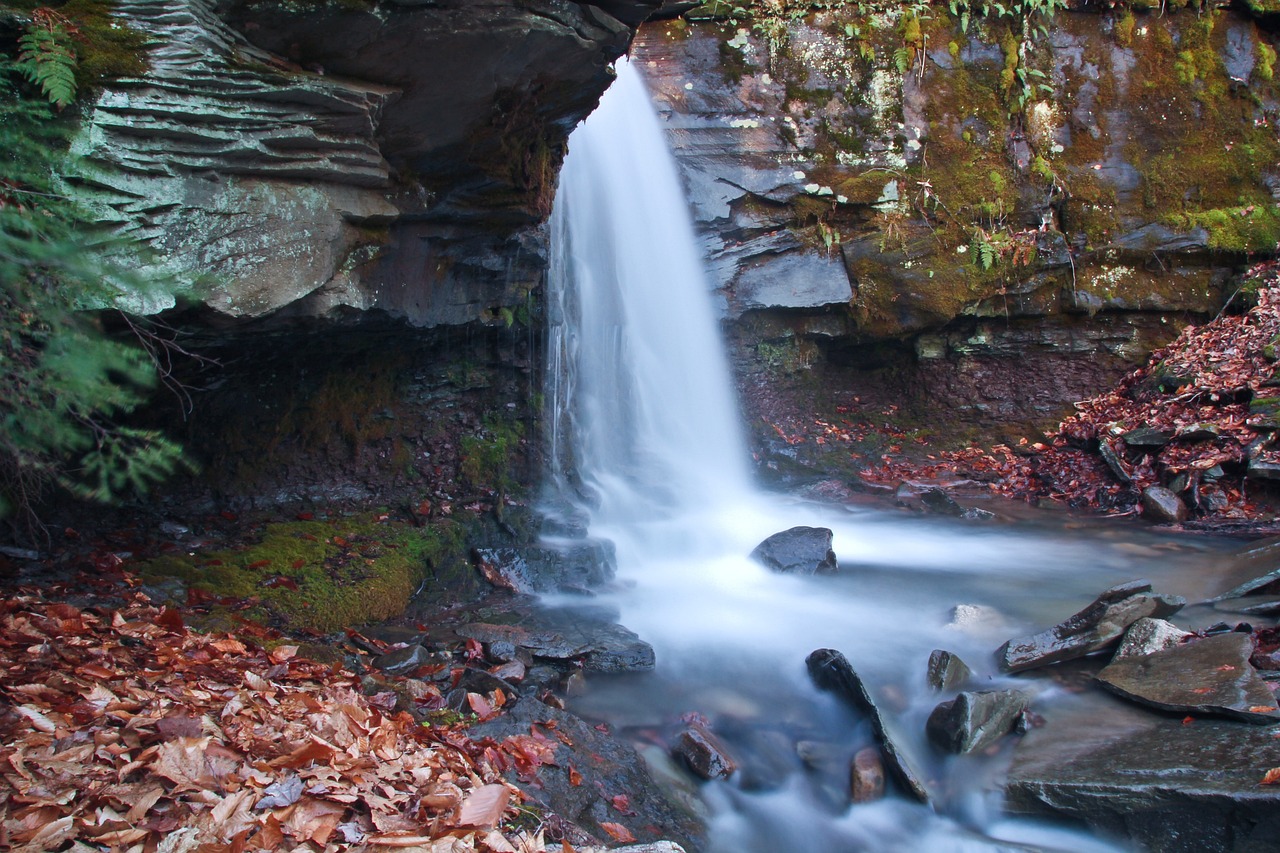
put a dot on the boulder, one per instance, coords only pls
(946, 670)
(800, 550)
(1146, 437)
(1163, 505)
(1209, 676)
(831, 671)
(1149, 635)
(1093, 629)
(973, 721)
(704, 753)
(575, 567)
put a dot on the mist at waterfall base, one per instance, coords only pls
(643, 413)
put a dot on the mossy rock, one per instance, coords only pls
(321, 576)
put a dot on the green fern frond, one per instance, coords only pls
(47, 58)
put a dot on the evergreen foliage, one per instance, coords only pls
(64, 383)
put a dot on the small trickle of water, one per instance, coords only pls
(643, 415)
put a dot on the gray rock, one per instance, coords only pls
(866, 776)
(1146, 437)
(575, 567)
(405, 660)
(973, 721)
(1094, 628)
(1149, 635)
(800, 550)
(946, 670)
(800, 280)
(1209, 676)
(704, 753)
(598, 645)
(1133, 774)
(1254, 605)
(831, 671)
(1163, 505)
(1198, 432)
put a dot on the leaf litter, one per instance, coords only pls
(122, 730)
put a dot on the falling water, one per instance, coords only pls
(643, 413)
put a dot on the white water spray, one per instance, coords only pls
(642, 410)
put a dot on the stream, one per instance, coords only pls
(647, 442)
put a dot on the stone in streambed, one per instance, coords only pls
(1093, 629)
(1210, 676)
(831, 671)
(866, 776)
(577, 567)
(1163, 505)
(1147, 636)
(973, 721)
(1254, 605)
(799, 551)
(704, 753)
(946, 670)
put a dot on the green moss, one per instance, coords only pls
(488, 458)
(1124, 28)
(106, 47)
(321, 576)
(1264, 67)
(788, 356)
(1246, 230)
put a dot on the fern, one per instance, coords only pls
(47, 56)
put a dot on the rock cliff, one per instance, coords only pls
(994, 215)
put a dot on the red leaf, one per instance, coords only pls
(623, 804)
(1272, 777)
(575, 778)
(481, 706)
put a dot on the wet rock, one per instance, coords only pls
(704, 753)
(1092, 629)
(1198, 432)
(653, 847)
(1163, 505)
(406, 660)
(1114, 463)
(938, 501)
(800, 550)
(1149, 635)
(977, 620)
(1254, 605)
(946, 670)
(866, 776)
(600, 646)
(831, 671)
(1133, 774)
(974, 721)
(576, 567)
(510, 671)
(1209, 676)
(609, 767)
(1263, 468)
(1146, 437)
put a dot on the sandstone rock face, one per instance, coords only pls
(315, 161)
(930, 227)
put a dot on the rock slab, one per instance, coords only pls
(946, 670)
(973, 721)
(799, 551)
(1209, 676)
(1091, 630)
(831, 671)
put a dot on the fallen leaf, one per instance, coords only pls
(618, 832)
(484, 806)
(1272, 777)
(280, 794)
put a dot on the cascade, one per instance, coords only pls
(642, 412)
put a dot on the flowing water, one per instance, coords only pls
(645, 418)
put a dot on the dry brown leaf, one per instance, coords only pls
(618, 832)
(484, 806)
(1272, 777)
(183, 762)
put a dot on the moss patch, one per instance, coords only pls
(321, 576)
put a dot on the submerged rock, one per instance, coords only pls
(704, 753)
(1254, 605)
(597, 644)
(974, 721)
(800, 551)
(866, 776)
(1091, 630)
(946, 670)
(1209, 676)
(831, 671)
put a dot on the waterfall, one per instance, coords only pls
(642, 414)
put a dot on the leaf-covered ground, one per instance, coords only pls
(123, 730)
(1200, 417)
